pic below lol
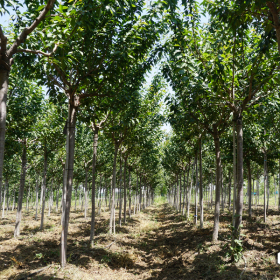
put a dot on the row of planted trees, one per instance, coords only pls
(225, 78)
(92, 59)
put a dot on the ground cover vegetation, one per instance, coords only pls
(92, 187)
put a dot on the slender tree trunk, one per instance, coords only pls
(258, 188)
(200, 185)
(189, 192)
(253, 193)
(218, 184)
(264, 187)
(4, 197)
(140, 194)
(274, 190)
(129, 195)
(21, 188)
(249, 188)
(95, 144)
(44, 186)
(196, 190)
(86, 192)
(239, 197)
(50, 198)
(211, 199)
(69, 172)
(177, 193)
(279, 187)
(267, 189)
(124, 190)
(4, 78)
(57, 198)
(37, 194)
(234, 174)
(120, 192)
(112, 228)
(184, 194)
(180, 202)
(14, 198)
(229, 191)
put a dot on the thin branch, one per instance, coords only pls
(38, 51)
(26, 31)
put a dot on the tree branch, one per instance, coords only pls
(3, 41)
(38, 52)
(26, 31)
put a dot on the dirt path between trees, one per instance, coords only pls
(157, 243)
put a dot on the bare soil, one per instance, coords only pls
(157, 243)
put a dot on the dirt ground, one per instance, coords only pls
(157, 243)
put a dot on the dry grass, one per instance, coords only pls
(154, 244)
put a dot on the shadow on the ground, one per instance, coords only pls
(175, 249)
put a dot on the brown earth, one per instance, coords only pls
(155, 244)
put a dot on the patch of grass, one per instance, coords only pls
(160, 200)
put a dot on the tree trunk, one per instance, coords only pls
(57, 198)
(200, 185)
(4, 197)
(95, 144)
(189, 192)
(112, 228)
(234, 174)
(4, 78)
(21, 189)
(184, 192)
(267, 189)
(44, 185)
(129, 195)
(37, 194)
(180, 202)
(86, 192)
(71, 124)
(249, 188)
(239, 197)
(196, 183)
(229, 191)
(140, 194)
(120, 192)
(279, 187)
(218, 184)
(264, 186)
(178, 194)
(124, 190)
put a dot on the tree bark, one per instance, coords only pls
(44, 186)
(234, 173)
(200, 185)
(21, 189)
(218, 184)
(196, 183)
(4, 78)
(249, 188)
(112, 228)
(239, 197)
(229, 191)
(37, 194)
(120, 192)
(279, 187)
(95, 144)
(264, 187)
(86, 192)
(69, 175)
(129, 195)
(4, 197)
(124, 189)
